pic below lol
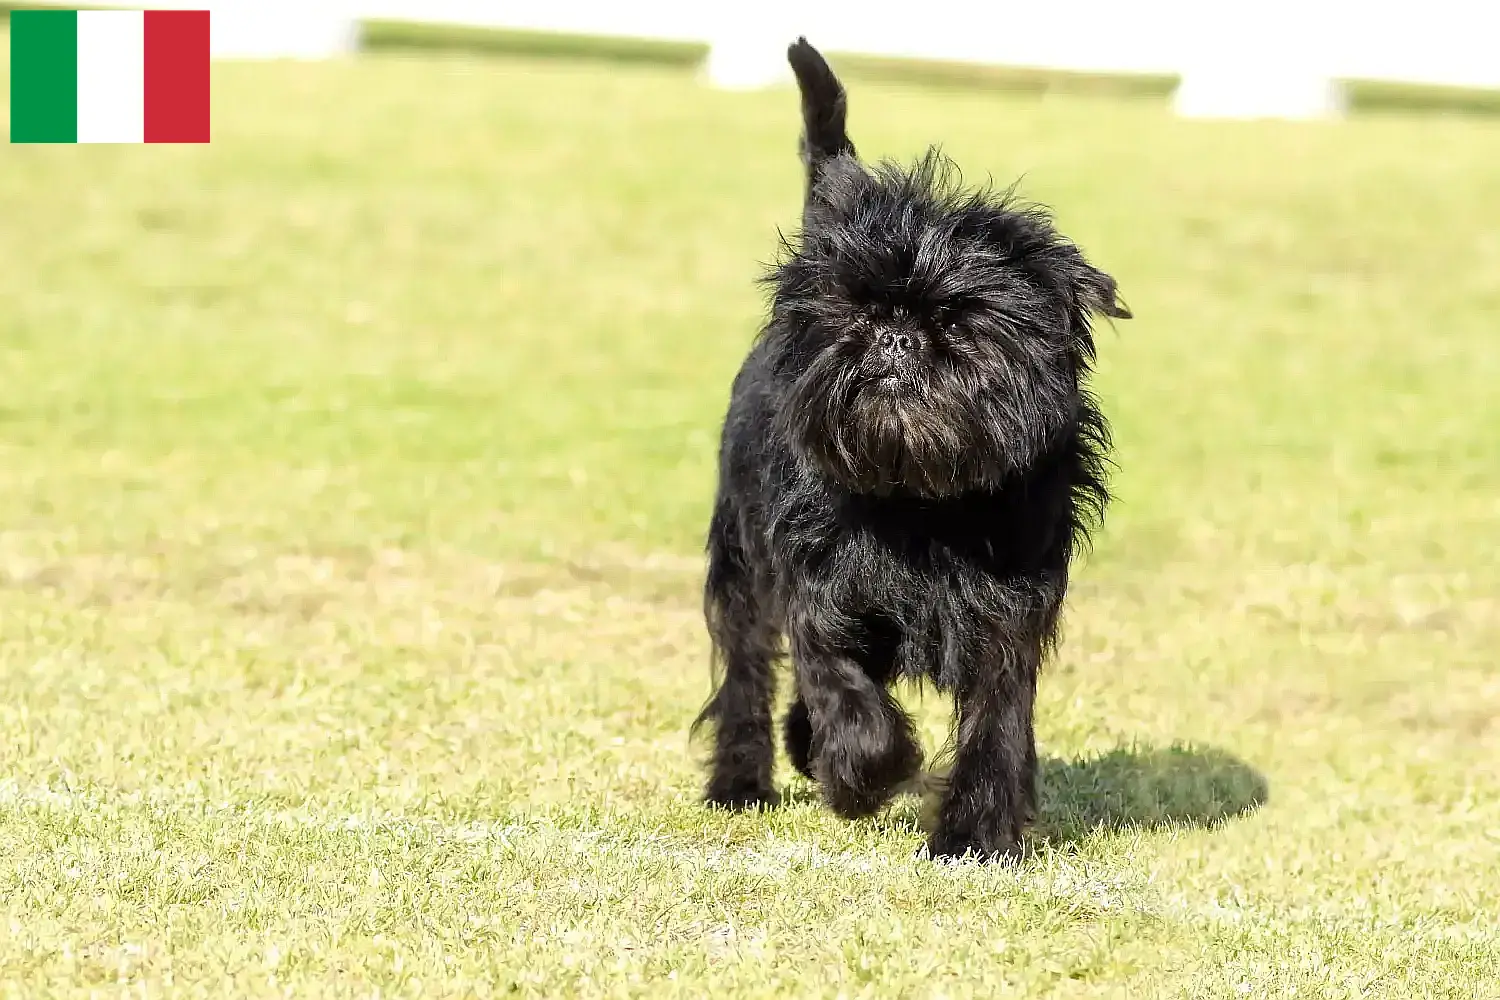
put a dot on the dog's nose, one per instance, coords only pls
(892, 340)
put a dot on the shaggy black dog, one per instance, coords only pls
(909, 463)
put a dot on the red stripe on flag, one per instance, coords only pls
(177, 76)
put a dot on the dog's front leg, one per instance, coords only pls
(991, 788)
(862, 746)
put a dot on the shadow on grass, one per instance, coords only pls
(1144, 788)
(1129, 788)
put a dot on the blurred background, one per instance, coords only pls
(354, 470)
(1281, 58)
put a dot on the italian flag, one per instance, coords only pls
(109, 76)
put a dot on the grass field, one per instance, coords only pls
(353, 472)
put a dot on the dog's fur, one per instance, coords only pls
(909, 463)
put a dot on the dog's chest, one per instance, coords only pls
(938, 580)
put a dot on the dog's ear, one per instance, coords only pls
(1098, 293)
(825, 109)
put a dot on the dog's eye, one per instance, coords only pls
(857, 326)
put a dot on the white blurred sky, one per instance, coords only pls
(1434, 41)
(1447, 41)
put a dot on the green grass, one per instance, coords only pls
(353, 471)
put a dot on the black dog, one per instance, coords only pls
(909, 463)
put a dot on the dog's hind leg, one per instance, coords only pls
(745, 643)
(862, 747)
(796, 735)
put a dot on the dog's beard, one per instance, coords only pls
(928, 430)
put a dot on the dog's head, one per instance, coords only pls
(929, 340)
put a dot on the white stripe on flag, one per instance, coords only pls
(111, 76)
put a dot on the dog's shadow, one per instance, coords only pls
(1129, 788)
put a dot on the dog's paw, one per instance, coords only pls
(739, 796)
(947, 845)
(858, 779)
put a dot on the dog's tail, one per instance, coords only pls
(825, 108)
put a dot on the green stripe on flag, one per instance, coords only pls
(44, 76)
